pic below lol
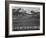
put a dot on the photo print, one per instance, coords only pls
(25, 18)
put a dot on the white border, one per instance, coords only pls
(25, 32)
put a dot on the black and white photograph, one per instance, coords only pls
(25, 19)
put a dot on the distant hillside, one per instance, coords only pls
(23, 12)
